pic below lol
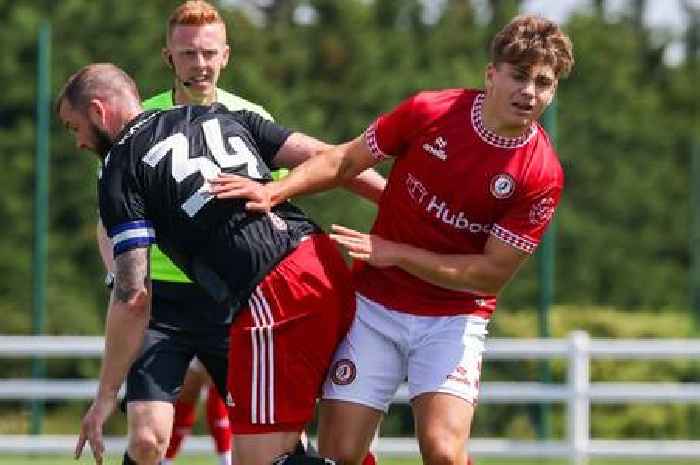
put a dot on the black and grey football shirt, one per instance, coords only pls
(153, 189)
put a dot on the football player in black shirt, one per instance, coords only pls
(286, 285)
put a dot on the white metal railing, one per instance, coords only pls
(577, 393)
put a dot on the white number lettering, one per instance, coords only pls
(241, 154)
(184, 166)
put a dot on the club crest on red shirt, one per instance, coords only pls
(502, 186)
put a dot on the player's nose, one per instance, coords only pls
(529, 87)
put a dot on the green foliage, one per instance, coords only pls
(624, 134)
(607, 421)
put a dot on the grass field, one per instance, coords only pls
(210, 460)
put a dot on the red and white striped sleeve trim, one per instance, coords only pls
(371, 141)
(513, 240)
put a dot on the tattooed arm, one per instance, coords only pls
(127, 317)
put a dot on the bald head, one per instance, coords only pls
(96, 103)
(103, 81)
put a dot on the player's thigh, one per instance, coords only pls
(446, 355)
(346, 429)
(368, 368)
(150, 422)
(444, 370)
(157, 373)
(275, 367)
(281, 346)
(442, 423)
(371, 361)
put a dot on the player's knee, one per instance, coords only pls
(442, 452)
(146, 448)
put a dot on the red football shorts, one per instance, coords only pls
(283, 342)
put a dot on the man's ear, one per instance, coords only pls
(227, 51)
(488, 76)
(551, 96)
(97, 113)
(167, 57)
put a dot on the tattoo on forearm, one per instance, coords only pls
(131, 273)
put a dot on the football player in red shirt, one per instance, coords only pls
(474, 184)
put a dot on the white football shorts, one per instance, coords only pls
(384, 348)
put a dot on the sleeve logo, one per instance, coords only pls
(542, 211)
(438, 148)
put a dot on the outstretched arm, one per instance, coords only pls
(299, 147)
(336, 166)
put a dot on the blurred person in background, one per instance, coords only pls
(474, 184)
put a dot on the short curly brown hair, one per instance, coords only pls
(530, 39)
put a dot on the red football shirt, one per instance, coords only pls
(453, 184)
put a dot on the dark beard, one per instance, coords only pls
(102, 141)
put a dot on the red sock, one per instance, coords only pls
(217, 419)
(182, 425)
(369, 459)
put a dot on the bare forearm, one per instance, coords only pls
(124, 333)
(474, 272)
(127, 317)
(322, 172)
(369, 184)
(104, 245)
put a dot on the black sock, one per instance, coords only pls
(311, 450)
(122, 405)
(299, 449)
(301, 459)
(128, 460)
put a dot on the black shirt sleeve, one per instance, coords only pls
(268, 135)
(122, 207)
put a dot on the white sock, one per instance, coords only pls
(166, 462)
(225, 458)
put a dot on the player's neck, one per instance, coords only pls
(126, 115)
(183, 96)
